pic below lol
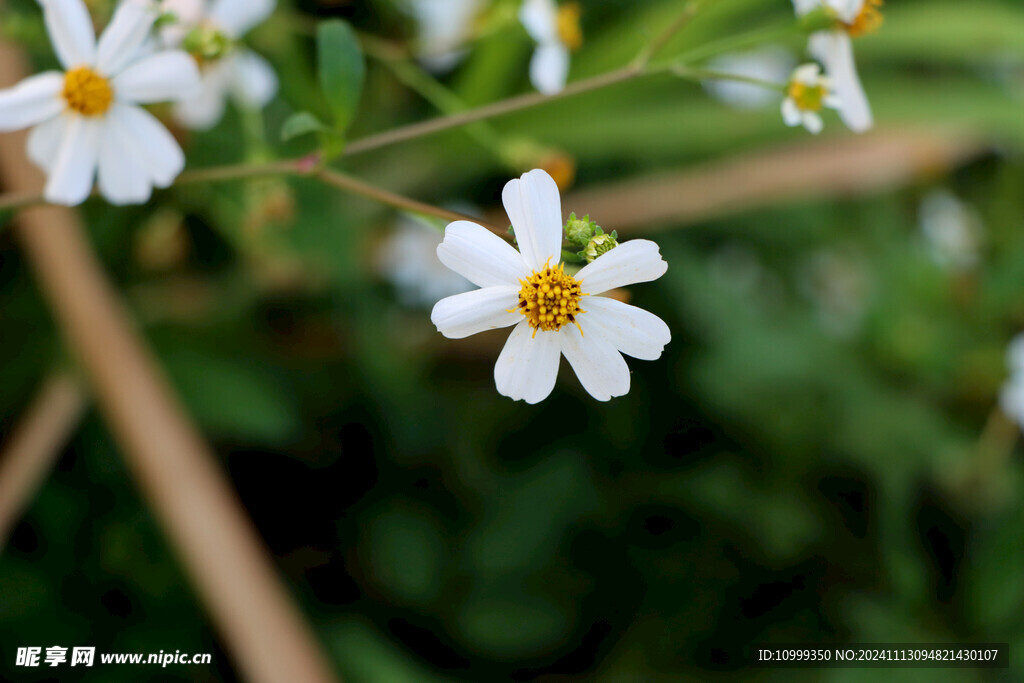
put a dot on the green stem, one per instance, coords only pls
(781, 32)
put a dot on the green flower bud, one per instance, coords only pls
(823, 19)
(206, 44)
(600, 244)
(580, 230)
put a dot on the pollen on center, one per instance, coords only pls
(806, 96)
(550, 299)
(868, 20)
(87, 92)
(569, 30)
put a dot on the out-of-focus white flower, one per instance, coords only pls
(210, 31)
(770, 64)
(87, 119)
(444, 27)
(838, 283)
(556, 29)
(952, 229)
(834, 49)
(1011, 399)
(554, 313)
(808, 92)
(408, 259)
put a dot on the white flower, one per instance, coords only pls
(557, 33)
(554, 313)
(952, 229)
(808, 92)
(232, 70)
(1011, 400)
(834, 49)
(444, 26)
(771, 64)
(408, 259)
(87, 119)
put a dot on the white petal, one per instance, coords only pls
(630, 262)
(237, 17)
(44, 142)
(158, 151)
(466, 314)
(206, 108)
(813, 122)
(1015, 354)
(164, 77)
(790, 112)
(71, 32)
(35, 99)
(632, 330)
(803, 7)
(600, 368)
(71, 177)
(127, 30)
(535, 210)
(480, 256)
(549, 67)
(528, 365)
(835, 50)
(540, 19)
(254, 81)
(1011, 400)
(123, 177)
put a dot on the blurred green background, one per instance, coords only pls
(804, 464)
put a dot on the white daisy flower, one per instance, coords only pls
(211, 31)
(1011, 400)
(87, 119)
(558, 33)
(772, 64)
(554, 313)
(834, 49)
(808, 92)
(952, 229)
(444, 26)
(408, 259)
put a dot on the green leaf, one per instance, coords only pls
(301, 123)
(341, 69)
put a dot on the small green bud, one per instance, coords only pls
(600, 244)
(581, 230)
(166, 19)
(206, 44)
(822, 19)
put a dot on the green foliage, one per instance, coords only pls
(341, 69)
(802, 464)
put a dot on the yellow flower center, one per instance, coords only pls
(87, 92)
(550, 299)
(569, 30)
(868, 20)
(807, 97)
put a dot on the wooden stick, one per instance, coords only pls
(226, 560)
(33, 447)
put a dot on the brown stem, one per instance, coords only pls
(192, 499)
(36, 442)
(350, 184)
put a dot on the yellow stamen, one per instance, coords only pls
(550, 298)
(87, 92)
(868, 20)
(569, 30)
(807, 97)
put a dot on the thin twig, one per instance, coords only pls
(35, 444)
(350, 184)
(656, 45)
(179, 476)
